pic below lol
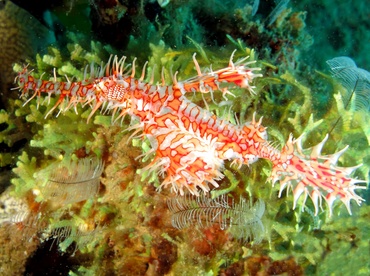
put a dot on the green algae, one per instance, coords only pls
(25, 169)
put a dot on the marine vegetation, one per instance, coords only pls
(166, 166)
(190, 143)
(87, 228)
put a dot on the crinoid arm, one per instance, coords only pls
(309, 173)
(241, 217)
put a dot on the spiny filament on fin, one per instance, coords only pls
(190, 143)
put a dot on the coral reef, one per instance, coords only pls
(21, 36)
(17, 42)
(125, 227)
(12, 212)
